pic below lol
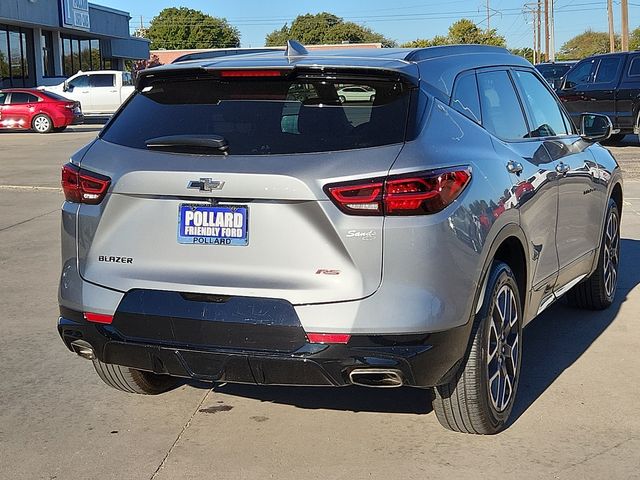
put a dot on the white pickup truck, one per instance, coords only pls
(100, 92)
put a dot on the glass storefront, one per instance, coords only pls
(81, 54)
(15, 57)
(46, 41)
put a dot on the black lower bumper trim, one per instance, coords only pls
(423, 360)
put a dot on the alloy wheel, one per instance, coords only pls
(503, 348)
(611, 254)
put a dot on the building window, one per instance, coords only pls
(81, 54)
(15, 45)
(46, 40)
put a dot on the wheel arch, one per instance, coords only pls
(511, 247)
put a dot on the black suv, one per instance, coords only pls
(607, 84)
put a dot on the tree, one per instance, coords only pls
(178, 28)
(634, 39)
(462, 31)
(586, 44)
(525, 52)
(324, 28)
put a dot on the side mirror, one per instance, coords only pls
(595, 127)
(66, 87)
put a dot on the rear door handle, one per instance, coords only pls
(562, 168)
(514, 167)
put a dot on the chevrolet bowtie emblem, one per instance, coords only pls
(206, 184)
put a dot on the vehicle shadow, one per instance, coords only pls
(557, 339)
(627, 141)
(552, 343)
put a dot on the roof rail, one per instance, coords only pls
(445, 50)
(295, 49)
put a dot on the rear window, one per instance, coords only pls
(267, 116)
(54, 96)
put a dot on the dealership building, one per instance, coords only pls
(42, 42)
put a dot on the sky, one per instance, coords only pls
(401, 20)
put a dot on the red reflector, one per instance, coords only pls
(250, 73)
(81, 186)
(98, 318)
(328, 338)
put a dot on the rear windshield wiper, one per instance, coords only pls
(189, 144)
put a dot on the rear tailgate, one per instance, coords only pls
(291, 241)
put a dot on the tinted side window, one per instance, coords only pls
(3, 97)
(581, 73)
(465, 96)
(634, 68)
(80, 82)
(102, 80)
(607, 70)
(544, 112)
(501, 111)
(20, 97)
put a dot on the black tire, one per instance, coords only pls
(469, 403)
(131, 380)
(342, 98)
(372, 98)
(599, 290)
(60, 129)
(42, 123)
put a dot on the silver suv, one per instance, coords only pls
(237, 221)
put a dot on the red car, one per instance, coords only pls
(44, 112)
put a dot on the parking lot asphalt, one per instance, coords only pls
(575, 416)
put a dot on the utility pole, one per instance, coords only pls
(546, 30)
(624, 5)
(488, 16)
(612, 34)
(539, 22)
(552, 33)
(532, 9)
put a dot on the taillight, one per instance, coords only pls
(361, 198)
(70, 106)
(416, 194)
(82, 186)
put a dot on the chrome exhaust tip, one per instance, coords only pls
(83, 349)
(376, 377)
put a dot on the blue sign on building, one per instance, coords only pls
(75, 14)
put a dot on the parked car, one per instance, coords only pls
(100, 92)
(356, 93)
(607, 84)
(43, 112)
(554, 71)
(204, 237)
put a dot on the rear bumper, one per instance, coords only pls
(421, 360)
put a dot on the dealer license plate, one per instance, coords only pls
(213, 225)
